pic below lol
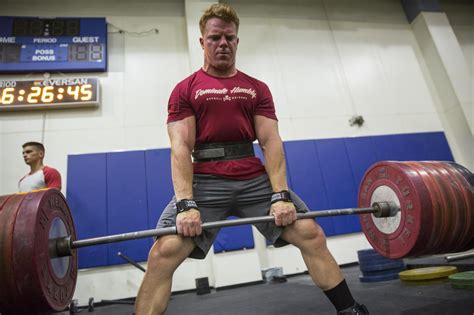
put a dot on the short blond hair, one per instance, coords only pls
(222, 11)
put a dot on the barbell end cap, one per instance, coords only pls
(63, 247)
(385, 209)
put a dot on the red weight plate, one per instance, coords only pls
(46, 286)
(465, 177)
(468, 183)
(3, 200)
(452, 212)
(395, 237)
(462, 230)
(8, 214)
(444, 236)
(433, 228)
(438, 238)
(468, 176)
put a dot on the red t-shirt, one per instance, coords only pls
(224, 109)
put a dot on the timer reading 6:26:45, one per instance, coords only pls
(43, 94)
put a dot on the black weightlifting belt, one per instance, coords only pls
(224, 151)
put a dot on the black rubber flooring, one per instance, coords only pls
(299, 296)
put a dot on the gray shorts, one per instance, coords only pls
(219, 198)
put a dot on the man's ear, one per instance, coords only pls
(201, 41)
(41, 154)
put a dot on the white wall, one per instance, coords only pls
(324, 61)
(460, 14)
(451, 78)
(328, 60)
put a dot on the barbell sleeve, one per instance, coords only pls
(63, 246)
(461, 256)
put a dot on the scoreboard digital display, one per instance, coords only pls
(48, 93)
(33, 44)
(32, 27)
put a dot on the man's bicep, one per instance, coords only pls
(183, 132)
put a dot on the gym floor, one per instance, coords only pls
(299, 296)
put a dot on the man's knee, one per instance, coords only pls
(309, 234)
(169, 249)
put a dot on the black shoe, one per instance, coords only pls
(356, 309)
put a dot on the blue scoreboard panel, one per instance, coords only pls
(33, 44)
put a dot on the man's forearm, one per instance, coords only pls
(275, 163)
(182, 172)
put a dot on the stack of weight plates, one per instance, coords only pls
(427, 274)
(462, 280)
(436, 202)
(377, 268)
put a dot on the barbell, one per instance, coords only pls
(405, 209)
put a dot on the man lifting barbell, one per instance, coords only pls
(216, 114)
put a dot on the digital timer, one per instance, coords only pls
(48, 93)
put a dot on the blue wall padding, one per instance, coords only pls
(121, 192)
(159, 184)
(415, 146)
(234, 238)
(434, 146)
(362, 154)
(87, 198)
(127, 203)
(340, 186)
(307, 179)
(258, 152)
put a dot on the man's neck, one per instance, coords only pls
(219, 73)
(36, 167)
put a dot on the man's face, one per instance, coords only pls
(219, 42)
(32, 154)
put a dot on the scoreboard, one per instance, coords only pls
(34, 44)
(42, 94)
